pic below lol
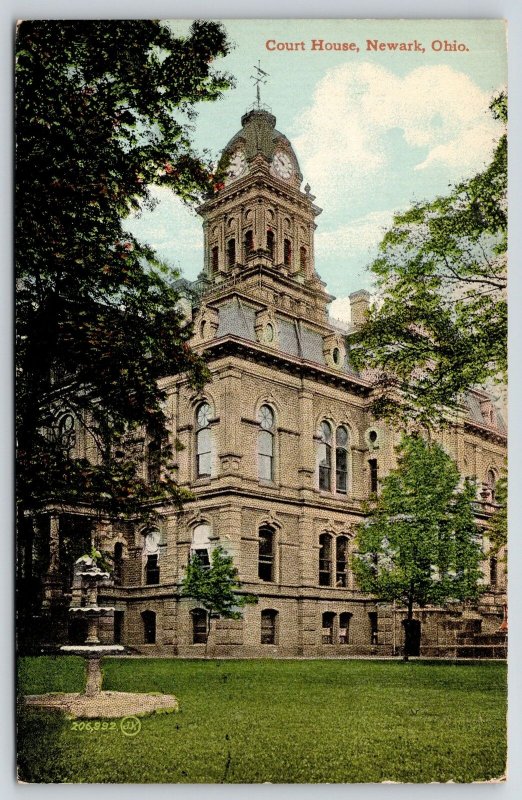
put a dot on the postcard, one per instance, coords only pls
(261, 416)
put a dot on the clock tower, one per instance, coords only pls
(259, 226)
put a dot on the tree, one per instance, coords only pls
(215, 587)
(420, 542)
(103, 110)
(440, 324)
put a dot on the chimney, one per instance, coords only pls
(359, 305)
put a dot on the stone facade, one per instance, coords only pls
(268, 485)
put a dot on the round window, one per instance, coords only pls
(336, 355)
(372, 436)
(203, 415)
(266, 417)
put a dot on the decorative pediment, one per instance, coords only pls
(334, 350)
(266, 328)
(206, 324)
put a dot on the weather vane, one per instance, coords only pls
(259, 78)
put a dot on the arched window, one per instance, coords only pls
(152, 570)
(325, 457)
(265, 568)
(231, 252)
(118, 562)
(270, 243)
(199, 626)
(154, 461)
(493, 572)
(303, 259)
(374, 475)
(203, 441)
(341, 460)
(66, 432)
(265, 443)
(148, 619)
(249, 243)
(287, 252)
(341, 561)
(214, 260)
(200, 545)
(491, 482)
(268, 626)
(328, 627)
(344, 627)
(325, 560)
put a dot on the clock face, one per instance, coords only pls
(237, 165)
(282, 165)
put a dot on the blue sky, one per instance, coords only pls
(373, 131)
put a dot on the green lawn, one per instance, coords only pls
(277, 721)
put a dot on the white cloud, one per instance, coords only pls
(344, 135)
(340, 309)
(359, 237)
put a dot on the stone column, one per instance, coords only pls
(222, 263)
(259, 226)
(230, 447)
(229, 533)
(307, 456)
(308, 552)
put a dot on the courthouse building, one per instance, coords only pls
(279, 449)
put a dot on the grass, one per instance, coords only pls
(278, 721)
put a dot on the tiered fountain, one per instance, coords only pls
(93, 702)
(88, 578)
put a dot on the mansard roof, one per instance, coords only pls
(296, 338)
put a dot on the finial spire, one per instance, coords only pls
(258, 78)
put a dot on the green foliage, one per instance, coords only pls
(103, 111)
(420, 542)
(282, 721)
(440, 326)
(216, 587)
(498, 525)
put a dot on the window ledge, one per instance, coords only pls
(204, 481)
(269, 484)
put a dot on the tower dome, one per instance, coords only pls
(259, 137)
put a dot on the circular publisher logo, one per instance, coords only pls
(130, 726)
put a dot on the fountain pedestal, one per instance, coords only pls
(88, 578)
